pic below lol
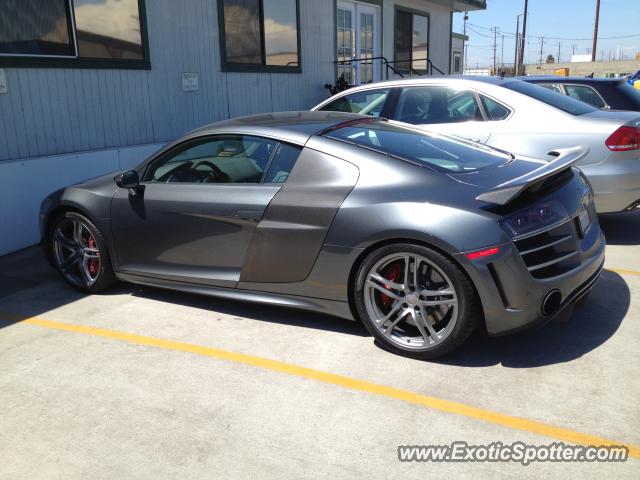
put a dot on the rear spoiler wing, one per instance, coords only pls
(505, 192)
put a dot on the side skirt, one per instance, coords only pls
(330, 307)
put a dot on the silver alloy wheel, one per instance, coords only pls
(76, 253)
(418, 307)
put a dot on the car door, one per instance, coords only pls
(193, 217)
(443, 109)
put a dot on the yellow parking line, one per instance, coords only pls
(558, 433)
(623, 271)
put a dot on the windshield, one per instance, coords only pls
(444, 154)
(557, 100)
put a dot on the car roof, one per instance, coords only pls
(456, 80)
(557, 79)
(435, 79)
(294, 126)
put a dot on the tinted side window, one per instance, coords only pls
(552, 86)
(222, 159)
(557, 100)
(424, 105)
(585, 94)
(495, 110)
(282, 163)
(368, 102)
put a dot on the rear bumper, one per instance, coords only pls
(512, 298)
(616, 184)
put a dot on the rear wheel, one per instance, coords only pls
(415, 301)
(79, 252)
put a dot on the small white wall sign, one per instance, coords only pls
(4, 86)
(189, 82)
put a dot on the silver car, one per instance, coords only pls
(518, 117)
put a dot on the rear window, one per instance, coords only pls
(444, 154)
(557, 100)
(631, 93)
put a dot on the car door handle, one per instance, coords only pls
(252, 215)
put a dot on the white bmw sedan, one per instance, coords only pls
(515, 116)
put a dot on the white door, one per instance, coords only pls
(358, 30)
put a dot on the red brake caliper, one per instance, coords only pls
(393, 273)
(94, 263)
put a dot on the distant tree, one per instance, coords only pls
(550, 59)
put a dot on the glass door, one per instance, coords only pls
(358, 34)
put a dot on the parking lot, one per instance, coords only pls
(141, 382)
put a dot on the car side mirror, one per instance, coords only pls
(129, 180)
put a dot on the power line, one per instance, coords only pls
(549, 38)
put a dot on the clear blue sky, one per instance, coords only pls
(570, 22)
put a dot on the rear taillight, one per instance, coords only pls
(625, 138)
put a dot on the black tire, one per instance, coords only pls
(104, 276)
(469, 307)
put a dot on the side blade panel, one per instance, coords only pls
(287, 241)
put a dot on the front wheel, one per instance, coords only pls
(79, 252)
(415, 301)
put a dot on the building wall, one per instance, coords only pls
(61, 126)
(580, 69)
(52, 111)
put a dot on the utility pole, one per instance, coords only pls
(558, 58)
(573, 49)
(502, 53)
(515, 61)
(524, 34)
(495, 47)
(464, 44)
(595, 32)
(541, 47)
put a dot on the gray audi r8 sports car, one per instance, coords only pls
(421, 236)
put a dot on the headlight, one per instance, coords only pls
(538, 217)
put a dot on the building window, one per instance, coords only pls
(457, 62)
(260, 35)
(75, 33)
(411, 40)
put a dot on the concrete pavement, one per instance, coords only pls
(77, 405)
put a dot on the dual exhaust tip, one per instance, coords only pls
(551, 302)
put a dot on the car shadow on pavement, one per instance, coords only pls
(557, 342)
(621, 228)
(29, 287)
(254, 311)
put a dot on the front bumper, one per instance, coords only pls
(512, 298)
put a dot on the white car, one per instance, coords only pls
(515, 116)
